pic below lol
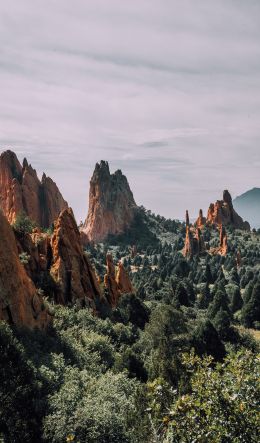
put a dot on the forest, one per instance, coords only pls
(176, 361)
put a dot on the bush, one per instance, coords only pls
(24, 224)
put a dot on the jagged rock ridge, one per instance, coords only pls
(111, 204)
(21, 191)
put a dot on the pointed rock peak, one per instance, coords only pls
(111, 204)
(71, 269)
(118, 172)
(22, 191)
(8, 155)
(44, 177)
(187, 218)
(25, 163)
(101, 170)
(227, 197)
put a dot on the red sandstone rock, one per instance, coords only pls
(123, 280)
(222, 249)
(223, 213)
(19, 301)
(116, 282)
(110, 282)
(22, 192)
(201, 221)
(194, 243)
(223, 241)
(111, 204)
(71, 269)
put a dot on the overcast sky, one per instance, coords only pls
(166, 90)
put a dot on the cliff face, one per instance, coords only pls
(222, 213)
(20, 304)
(111, 204)
(71, 270)
(21, 191)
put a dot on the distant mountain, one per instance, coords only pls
(248, 206)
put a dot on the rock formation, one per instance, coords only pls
(21, 191)
(222, 249)
(111, 204)
(20, 304)
(116, 282)
(110, 282)
(194, 243)
(223, 213)
(223, 241)
(123, 280)
(38, 253)
(201, 221)
(71, 270)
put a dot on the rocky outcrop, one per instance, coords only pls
(194, 243)
(20, 304)
(123, 280)
(71, 269)
(201, 221)
(222, 249)
(110, 283)
(111, 204)
(21, 191)
(116, 281)
(36, 251)
(222, 213)
(223, 241)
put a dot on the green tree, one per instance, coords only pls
(250, 313)
(222, 405)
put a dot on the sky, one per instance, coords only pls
(166, 90)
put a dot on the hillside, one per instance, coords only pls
(248, 205)
(135, 338)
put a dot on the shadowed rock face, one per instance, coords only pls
(21, 191)
(111, 204)
(71, 270)
(20, 304)
(223, 213)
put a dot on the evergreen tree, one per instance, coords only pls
(250, 313)
(206, 341)
(219, 301)
(236, 301)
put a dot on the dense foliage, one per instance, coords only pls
(172, 363)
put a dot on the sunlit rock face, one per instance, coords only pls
(222, 213)
(20, 303)
(21, 191)
(111, 204)
(71, 269)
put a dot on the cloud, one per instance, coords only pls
(169, 91)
